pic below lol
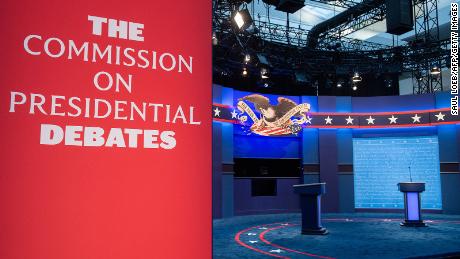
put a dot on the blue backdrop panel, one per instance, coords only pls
(393, 103)
(254, 146)
(380, 163)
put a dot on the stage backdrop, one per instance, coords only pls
(105, 136)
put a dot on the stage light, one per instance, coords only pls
(435, 70)
(245, 72)
(247, 58)
(214, 38)
(354, 88)
(356, 78)
(242, 19)
(266, 85)
(264, 74)
(339, 84)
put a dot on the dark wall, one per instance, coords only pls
(285, 201)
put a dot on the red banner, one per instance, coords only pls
(106, 139)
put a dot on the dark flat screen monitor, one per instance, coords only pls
(267, 168)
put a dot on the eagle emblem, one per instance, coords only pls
(284, 118)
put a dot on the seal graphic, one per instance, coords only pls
(284, 118)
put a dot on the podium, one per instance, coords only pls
(310, 203)
(412, 204)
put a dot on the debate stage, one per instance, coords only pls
(372, 154)
(352, 235)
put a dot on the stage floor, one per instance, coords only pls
(357, 235)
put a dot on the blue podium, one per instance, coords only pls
(412, 204)
(310, 203)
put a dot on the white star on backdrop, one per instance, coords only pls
(370, 120)
(234, 114)
(216, 112)
(440, 116)
(349, 120)
(393, 119)
(251, 234)
(276, 251)
(416, 118)
(253, 241)
(328, 120)
(308, 120)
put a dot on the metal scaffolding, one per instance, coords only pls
(282, 33)
(339, 3)
(376, 13)
(284, 46)
(427, 35)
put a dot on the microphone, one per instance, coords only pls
(410, 174)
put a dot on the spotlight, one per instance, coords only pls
(264, 74)
(339, 83)
(242, 19)
(435, 70)
(266, 85)
(354, 88)
(214, 38)
(356, 78)
(245, 72)
(247, 58)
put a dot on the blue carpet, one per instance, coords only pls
(358, 235)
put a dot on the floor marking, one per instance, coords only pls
(279, 249)
(262, 238)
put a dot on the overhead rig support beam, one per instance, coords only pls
(342, 24)
(427, 34)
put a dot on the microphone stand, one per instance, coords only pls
(410, 174)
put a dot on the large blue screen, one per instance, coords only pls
(381, 163)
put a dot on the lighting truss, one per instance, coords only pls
(297, 36)
(285, 47)
(339, 3)
(427, 34)
(279, 33)
(376, 14)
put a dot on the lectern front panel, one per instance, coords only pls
(413, 206)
